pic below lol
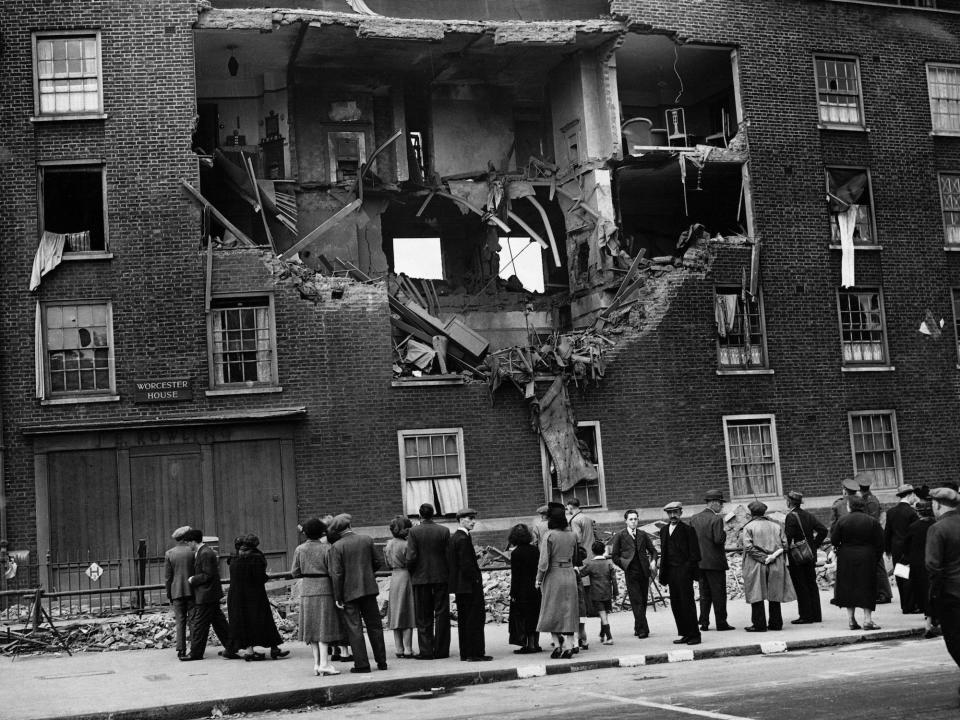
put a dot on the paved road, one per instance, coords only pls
(908, 679)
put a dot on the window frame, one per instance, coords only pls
(273, 385)
(601, 480)
(847, 365)
(765, 359)
(955, 306)
(42, 167)
(934, 130)
(896, 441)
(943, 211)
(775, 451)
(828, 125)
(418, 432)
(51, 396)
(38, 115)
(875, 243)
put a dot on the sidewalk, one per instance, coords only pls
(154, 684)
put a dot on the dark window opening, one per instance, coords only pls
(73, 205)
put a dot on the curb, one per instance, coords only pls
(343, 694)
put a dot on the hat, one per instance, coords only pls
(905, 489)
(851, 485)
(675, 505)
(945, 495)
(210, 539)
(795, 496)
(863, 478)
(180, 532)
(543, 509)
(555, 506)
(466, 512)
(711, 495)
(340, 523)
(757, 508)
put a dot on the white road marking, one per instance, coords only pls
(663, 706)
(775, 646)
(529, 671)
(632, 660)
(679, 656)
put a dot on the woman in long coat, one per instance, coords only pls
(858, 539)
(914, 550)
(557, 581)
(524, 596)
(319, 621)
(248, 608)
(765, 575)
(401, 617)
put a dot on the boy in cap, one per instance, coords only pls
(467, 584)
(178, 567)
(899, 519)
(943, 567)
(713, 560)
(679, 564)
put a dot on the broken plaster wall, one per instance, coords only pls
(471, 126)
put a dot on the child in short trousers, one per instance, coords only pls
(602, 588)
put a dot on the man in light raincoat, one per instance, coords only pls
(765, 575)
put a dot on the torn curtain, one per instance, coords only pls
(49, 254)
(847, 222)
(558, 427)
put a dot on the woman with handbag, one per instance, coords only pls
(805, 534)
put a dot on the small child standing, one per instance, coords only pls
(602, 588)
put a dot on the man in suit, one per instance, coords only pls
(713, 560)
(427, 562)
(679, 565)
(943, 567)
(801, 525)
(177, 568)
(467, 583)
(899, 519)
(354, 561)
(632, 551)
(582, 526)
(207, 593)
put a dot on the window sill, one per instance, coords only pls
(67, 117)
(91, 255)
(857, 246)
(80, 400)
(244, 391)
(867, 368)
(843, 128)
(945, 133)
(951, 248)
(757, 371)
(428, 380)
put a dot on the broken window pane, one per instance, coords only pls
(522, 257)
(739, 321)
(588, 492)
(75, 362)
(848, 190)
(418, 257)
(838, 90)
(861, 327)
(752, 453)
(875, 448)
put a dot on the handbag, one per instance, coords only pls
(800, 551)
(902, 571)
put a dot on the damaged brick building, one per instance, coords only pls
(264, 263)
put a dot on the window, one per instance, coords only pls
(950, 202)
(72, 203)
(523, 258)
(943, 85)
(432, 470)
(242, 342)
(862, 334)
(955, 293)
(419, 257)
(838, 91)
(876, 450)
(78, 348)
(753, 462)
(851, 205)
(740, 333)
(590, 493)
(67, 74)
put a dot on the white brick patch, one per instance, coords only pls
(775, 646)
(632, 660)
(529, 671)
(679, 655)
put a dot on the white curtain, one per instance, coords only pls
(418, 493)
(264, 354)
(450, 495)
(847, 221)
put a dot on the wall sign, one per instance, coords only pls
(162, 390)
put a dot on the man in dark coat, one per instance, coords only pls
(914, 550)
(679, 565)
(943, 567)
(467, 584)
(207, 593)
(632, 551)
(839, 507)
(712, 575)
(427, 562)
(178, 564)
(353, 563)
(899, 519)
(800, 525)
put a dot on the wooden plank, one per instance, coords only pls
(546, 224)
(470, 206)
(195, 194)
(323, 228)
(248, 166)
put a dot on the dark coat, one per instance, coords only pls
(353, 561)
(915, 552)
(943, 556)
(800, 524)
(872, 504)
(427, 553)
(624, 552)
(713, 539)
(248, 609)
(899, 519)
(681, 549)
(858, 539)
(178, 566)
(205, 581)
(524, 595)
(462, 560)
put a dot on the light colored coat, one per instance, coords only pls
(761, 537)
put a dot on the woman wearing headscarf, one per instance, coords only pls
(524, 596)
(401, 617)
(248, 608)
(858, 539)
(557, 582)
(319, 622)
(914, 551)
(765, 576)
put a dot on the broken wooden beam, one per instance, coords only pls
(470, 206)
(530, 231)
(323, 228)
(207, 205)
(546, 224)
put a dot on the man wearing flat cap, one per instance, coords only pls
(801, 526)
(538, 527)
(679, 565)
(712, 575)
(839, 508)
(899, 519)
(764, 569)
(177, 569)
(467, 584)
(943, 567)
